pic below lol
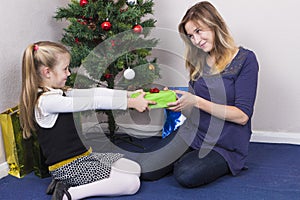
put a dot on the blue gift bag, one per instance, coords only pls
(173, 121)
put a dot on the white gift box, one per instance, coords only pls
(145, 124)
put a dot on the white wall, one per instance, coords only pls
(23, 22)
(270, 28)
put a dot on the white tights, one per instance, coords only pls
(123, 180)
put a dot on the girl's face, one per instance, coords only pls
(59, 74)
(200, 35)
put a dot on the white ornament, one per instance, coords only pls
(131, 2)
(129, 74)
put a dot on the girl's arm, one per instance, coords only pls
(89, 99)
(62, 104)
(92, 92)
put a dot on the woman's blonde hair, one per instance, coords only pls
(223, 47)
(42, 53)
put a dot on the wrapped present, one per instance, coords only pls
(162, 98)
(141, 125)
(22, 155)
(17, 150)
(173, 121)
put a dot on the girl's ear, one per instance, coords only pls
(45, 72)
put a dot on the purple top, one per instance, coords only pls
(235, 86)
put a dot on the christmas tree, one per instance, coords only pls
(110, 40)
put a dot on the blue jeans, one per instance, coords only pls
(188, 168)
(191, 171)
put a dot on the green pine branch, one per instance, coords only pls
(104, 54)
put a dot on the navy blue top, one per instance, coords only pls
(236, 85)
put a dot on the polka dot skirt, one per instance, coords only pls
(88, 169)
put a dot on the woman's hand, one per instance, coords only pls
(224, 112)
(139, 103)
(187, 100)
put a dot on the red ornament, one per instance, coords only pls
(137, 28)
(83, 2)
(108, 76)
(154, 90)
(106, 25)
(113, 43)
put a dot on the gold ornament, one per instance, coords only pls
(151, 67)
(92, 26)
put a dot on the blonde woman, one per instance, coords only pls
(218, 106)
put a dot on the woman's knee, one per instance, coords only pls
(190, 171)
(183, 175)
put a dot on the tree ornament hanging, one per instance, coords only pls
(137, 28)
(129, 74)
(83, 2)
(92, 26)
(106, 25)
(113, 43)
(108, 76)
(131, 2)
(123, 9)
(151, 67)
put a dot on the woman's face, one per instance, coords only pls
(60, 73)
(200, 35)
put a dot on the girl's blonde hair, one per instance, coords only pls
(42, 53)
(223, 47)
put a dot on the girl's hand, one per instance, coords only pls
(187, 100)
(139, 103)
(129, 93)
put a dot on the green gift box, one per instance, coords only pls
(162, 98)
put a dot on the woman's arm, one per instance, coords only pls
(228, 113)
(245, 93)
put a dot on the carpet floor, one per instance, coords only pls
(273, 174)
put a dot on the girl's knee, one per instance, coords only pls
(127, 166)
(128, 172)
(132, 184)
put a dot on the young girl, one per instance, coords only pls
(46, 107)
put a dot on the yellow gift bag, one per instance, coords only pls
(18, 151)
(39, 166)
